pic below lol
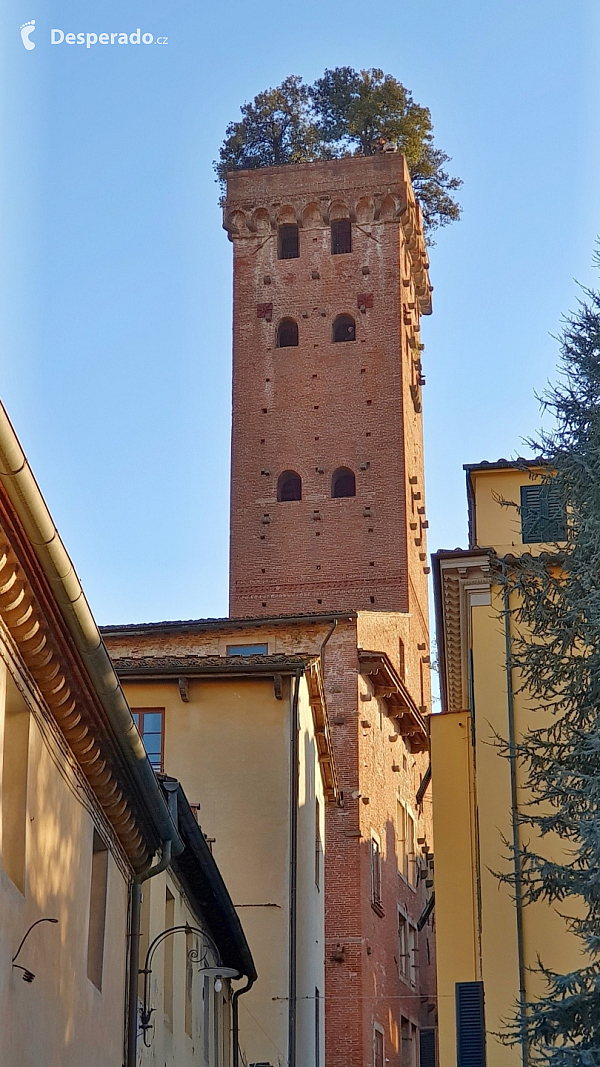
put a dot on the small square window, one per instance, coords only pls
(543, 515)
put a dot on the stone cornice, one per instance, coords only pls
(31, 617)
(316, 695)
(462, 581)
(389, 687)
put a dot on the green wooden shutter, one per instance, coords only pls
(470, 1025)
(542, 514)
(427, 1057)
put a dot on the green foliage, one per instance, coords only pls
(558, 659)
(345, 112)
(275, 129)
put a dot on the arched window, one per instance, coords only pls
(341, 237)
(343, 482)
(289, 486)
(287, 334)
(344, 328)
(288, 241)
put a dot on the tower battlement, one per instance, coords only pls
(365, 189)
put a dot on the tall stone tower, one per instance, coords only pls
(330, 281)
(328, 521)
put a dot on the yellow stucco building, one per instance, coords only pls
(488, 943)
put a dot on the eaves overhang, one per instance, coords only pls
(197, 870)
(167, 668)
(316, 695)
(193, 626)
(389, 686)
(45, 612)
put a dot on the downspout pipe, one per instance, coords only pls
(517, 870)
(324, 642)
(293, 912)
(235, 1021)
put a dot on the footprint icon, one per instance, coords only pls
(26, 30)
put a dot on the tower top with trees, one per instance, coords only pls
(343, 113)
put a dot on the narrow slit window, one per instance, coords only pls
(97, 920)
(15, 762)
(288, 241)
(287, 334)
(341, 237)
(375, 871)
(344, 329)
(378, 1058)
(289, 486)
(343, 482)
(151, 728)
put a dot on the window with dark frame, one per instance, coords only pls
(343, 483)
(288, 241)
(341, 237)
(543, 516)
(344, 329)
(287, 334)
(150, 723)
(289, 486)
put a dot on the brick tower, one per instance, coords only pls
(330, 281)
(328, 522)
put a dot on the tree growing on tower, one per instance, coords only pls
(345, 112)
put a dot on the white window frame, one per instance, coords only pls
(407, 859)
(407, 960)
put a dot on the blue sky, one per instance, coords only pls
(115, 274)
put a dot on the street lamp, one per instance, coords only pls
(218, 972)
